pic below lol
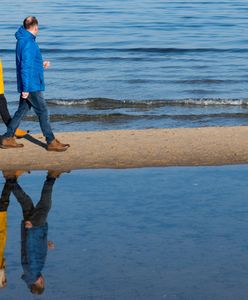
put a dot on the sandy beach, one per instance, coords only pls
(133, 149)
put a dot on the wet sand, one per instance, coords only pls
(133, 149)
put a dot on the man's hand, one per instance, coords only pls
(25, 95)
(46, 64)
(28, 224)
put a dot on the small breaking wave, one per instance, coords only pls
(106, 103)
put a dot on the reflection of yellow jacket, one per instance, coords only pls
(3, 235)
(1, 78)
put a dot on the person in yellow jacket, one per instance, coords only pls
(4, 203)
(3, 235)
(10, 181)
(4, 112)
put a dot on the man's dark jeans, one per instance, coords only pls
(38, 103)
(36, 214)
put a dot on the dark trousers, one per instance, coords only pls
(4, 112)
(38, 103)
(4, 200)
(37, 215)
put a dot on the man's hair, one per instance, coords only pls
(30, 22)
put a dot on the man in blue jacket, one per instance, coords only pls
(30, 81)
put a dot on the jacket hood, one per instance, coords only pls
(22, 33)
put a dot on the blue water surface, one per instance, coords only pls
(158, 233)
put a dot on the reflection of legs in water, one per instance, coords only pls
(4, 203)
(36, 215)
(39, 215)
(4, 200)
(25, 201)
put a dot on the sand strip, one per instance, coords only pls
(133, 148)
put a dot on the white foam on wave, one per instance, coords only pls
(208, 102)
(68, 102)
(159, 102)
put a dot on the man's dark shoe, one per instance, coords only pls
(55, 145)
(9, 142)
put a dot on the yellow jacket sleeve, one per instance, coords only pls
(3, 235)
(1, 78)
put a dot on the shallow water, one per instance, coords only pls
(137, 50)
(158, 233)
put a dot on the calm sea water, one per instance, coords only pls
(136, 64)
(145, 234)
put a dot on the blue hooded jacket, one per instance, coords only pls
(29, 63)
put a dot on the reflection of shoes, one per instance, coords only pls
(20, 172)
(10, 142)
(19, 133)
(9, 174)
(55, 145)
(55, 173)
(13, 174)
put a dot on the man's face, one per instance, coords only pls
(36, 30)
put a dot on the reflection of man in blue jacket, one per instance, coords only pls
(34, 230)
(30, 82)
